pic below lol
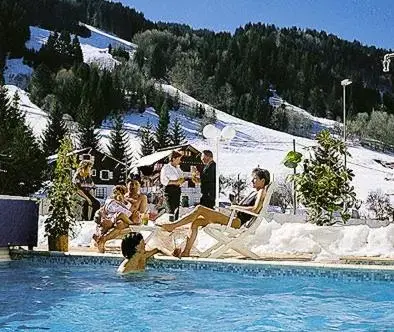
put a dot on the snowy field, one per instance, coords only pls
(252, 146)
(94, 50)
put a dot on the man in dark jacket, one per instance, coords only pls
(207, 178)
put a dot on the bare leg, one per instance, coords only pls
(198, 211)
(113, 233)
(193, 235)
(202, 222)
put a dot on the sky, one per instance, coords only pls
(369, 21)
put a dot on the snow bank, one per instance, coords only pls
(325, 243)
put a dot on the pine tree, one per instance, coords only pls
(88, 135)
(177, 101)
(56, 128)
(24, 163)
(62, 194)
(177, 134)
(147, 139)
(162, 136)
(41, 84)
(76, 50)
(118, 141)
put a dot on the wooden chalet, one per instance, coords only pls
(106, 172)
(148, 169)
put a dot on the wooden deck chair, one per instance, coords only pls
(230, 238)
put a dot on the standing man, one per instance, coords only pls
(207, 178)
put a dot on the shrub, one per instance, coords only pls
(324, 185)
(379, 204)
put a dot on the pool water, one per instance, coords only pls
(38, 297)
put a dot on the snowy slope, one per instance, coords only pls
(17, 73)
(94, 50)
(253, 145)
(35, 117)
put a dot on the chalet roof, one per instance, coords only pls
(53, 157)
(161, 154)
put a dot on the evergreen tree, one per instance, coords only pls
(118, 141)
(177, 134)
(41, 84)
(157, 67)
(88, 135)
(177, 101)
(76, 50)
(24, 163)
(62, 194)
(56, 128)
(147, 139)
(162, 134)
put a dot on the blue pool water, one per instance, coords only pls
(43, 297)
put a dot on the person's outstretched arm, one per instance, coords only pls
(152, 252)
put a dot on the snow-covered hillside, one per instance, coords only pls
(94, 50)
(253, 145)
(35, 116)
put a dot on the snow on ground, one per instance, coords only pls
(17, 73)
(255, 145)
(101, 39)
(36, 118)
(94, 50)
(323, 243)
(277, 101)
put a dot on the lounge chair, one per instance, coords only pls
(230, 238)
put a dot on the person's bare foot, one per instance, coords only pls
(167, 227)
(177, 252)
(185, 253)
(101, 247)
(100, 244)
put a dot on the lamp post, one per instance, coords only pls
(226, 134)
(344, 84)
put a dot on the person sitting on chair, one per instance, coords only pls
(115, 216)
(133, 250)
(138, 201)
(202, 216)
(83, 181)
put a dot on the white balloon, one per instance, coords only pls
(228, 133)
(210, 131)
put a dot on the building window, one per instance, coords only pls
(94, 172)
(106, 175)
(86, 156)
(101, 192)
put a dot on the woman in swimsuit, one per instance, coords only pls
(202, 216)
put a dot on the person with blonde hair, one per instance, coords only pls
(115, 216)
(83, 181)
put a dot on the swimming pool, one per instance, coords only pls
(52, 296)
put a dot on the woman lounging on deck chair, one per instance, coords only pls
(203, 216)
(114, 216)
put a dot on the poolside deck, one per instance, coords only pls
(268, 257)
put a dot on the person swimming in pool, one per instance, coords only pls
(133, 250)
